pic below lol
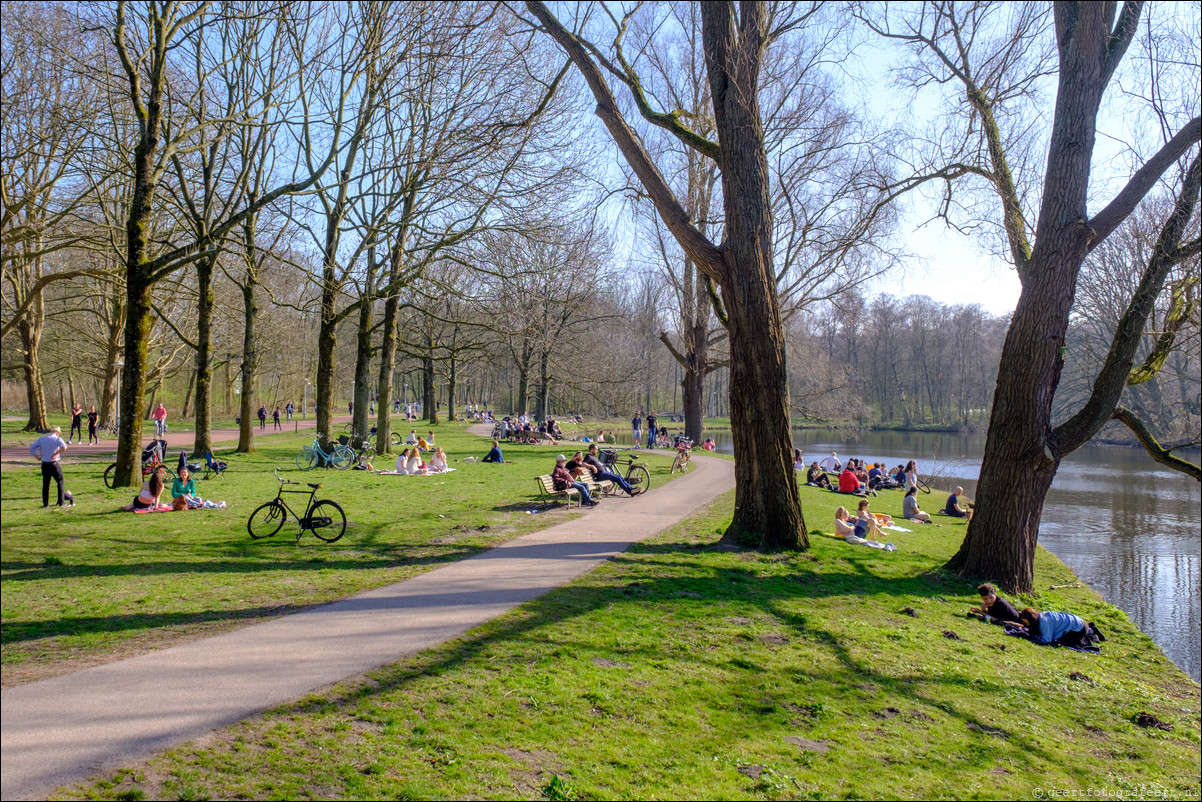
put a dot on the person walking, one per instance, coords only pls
(652, 431)
(289, 410)
(275, 417)
(93, 419)
(48, 448)
(160, 420)
(262, 418)
(76, 423)
(636, 428)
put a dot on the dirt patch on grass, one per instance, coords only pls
(808, 745)
(605, 662)
(529, 777)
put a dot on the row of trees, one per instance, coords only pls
(419, 180)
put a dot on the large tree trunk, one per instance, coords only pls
(429, 389)
(250, 357)
(692, 393)
(451, 388)
(359, 422)
(30, 330)
(1022, 450)
(543, 401)
(202, 442)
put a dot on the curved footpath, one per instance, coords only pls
(72, 727)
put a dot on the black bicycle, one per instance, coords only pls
(636, 472)
(324, 518)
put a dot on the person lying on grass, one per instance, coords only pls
(1061, 629)
(994, 609)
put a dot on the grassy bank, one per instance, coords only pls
(683, 669)
(89, 584)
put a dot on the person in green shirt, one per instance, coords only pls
(183, 491)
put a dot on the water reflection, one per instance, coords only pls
(1126, 526)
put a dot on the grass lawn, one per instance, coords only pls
(90, 584)
(683, 669)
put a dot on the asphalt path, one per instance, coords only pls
(75, 726)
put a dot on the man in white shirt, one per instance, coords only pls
(831, 463)
(47, 448)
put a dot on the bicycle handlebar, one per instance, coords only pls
(281, 479)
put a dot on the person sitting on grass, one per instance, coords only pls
(562, 480)
(402, 461)
(438, 462)
(183, 494)
(495, 454)
(411, 440)
(849, 533)
(600, 474)
(832, 463)
(910, 509)
(848, 483)
(816, 477)
(994, 609)
(148, 497)
(869, 523)
(953, 507)
(708, 445)
(415, 466)
(799, 462)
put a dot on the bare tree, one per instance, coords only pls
(999, 65)
(741, 266)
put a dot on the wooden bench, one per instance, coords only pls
(546, 489)
(606, 486)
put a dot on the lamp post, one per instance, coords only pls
(118, 365)
(305, 401)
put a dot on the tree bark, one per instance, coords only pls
(250, 362)
(202, 441)
(30, 330)
(363, 365)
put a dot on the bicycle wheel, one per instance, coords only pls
(923, 486)
(266, 520)
(327, 520)
(109, 473)
(342, 458)
(395, 439)
(306, 459)
(681, 463)
(638, 477)
(165, 473)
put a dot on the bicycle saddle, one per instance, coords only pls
(314, 486)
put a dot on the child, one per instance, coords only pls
(994, 609)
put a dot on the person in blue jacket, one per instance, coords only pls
(1062, 629)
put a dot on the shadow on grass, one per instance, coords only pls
(737, 586)
(17, 631)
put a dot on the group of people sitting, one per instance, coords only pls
(410, 462)
(523, 425)
(568, 473)
(183, 494)
(866, 523)
(1048, 627)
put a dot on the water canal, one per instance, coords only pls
(1126, 525)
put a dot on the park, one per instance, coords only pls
(430, 400)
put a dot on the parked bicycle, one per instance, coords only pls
(152, 462)
(324, 518)
(394, 437)
(684, 454)
(338, 456)
(636, 472)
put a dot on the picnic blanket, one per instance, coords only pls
(897, 528)
(160, 508)
(395, 473)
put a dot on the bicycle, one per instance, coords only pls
(339, 456)
(636, 472)
(394, 438)
(324, 518)
(152, 462)
(684, 455)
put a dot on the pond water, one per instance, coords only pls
(1127, 526)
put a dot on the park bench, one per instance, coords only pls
(546, 490)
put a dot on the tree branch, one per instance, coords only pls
(1154, 448)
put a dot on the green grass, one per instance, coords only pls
(686, 670)
(88, 583)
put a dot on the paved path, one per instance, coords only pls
(76, 726)
(174, 439)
